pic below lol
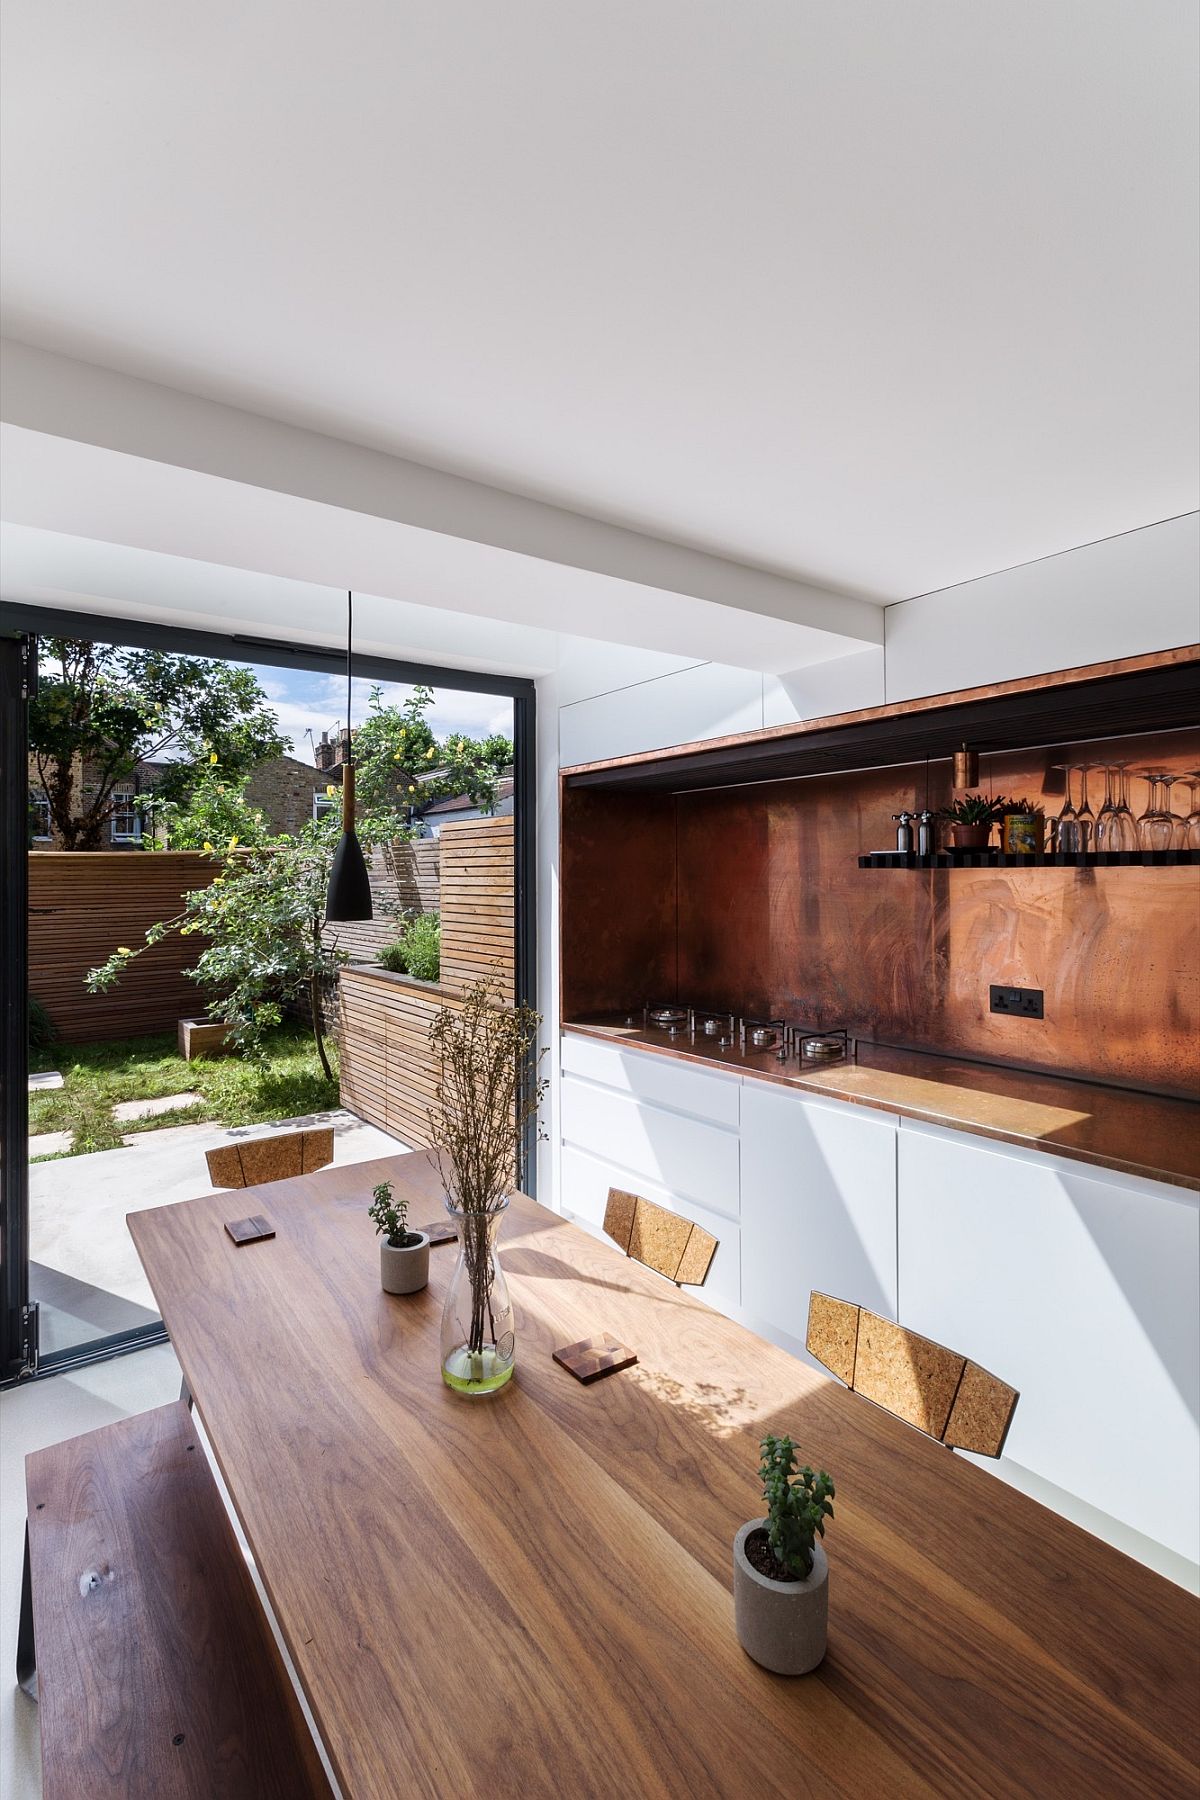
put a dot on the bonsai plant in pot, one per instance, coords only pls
(971, 820)
(780, 1572)
(1023, 832)
(403, 1254)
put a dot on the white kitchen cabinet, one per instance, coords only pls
(586, 1180)
(659, 1080)
(1081, 1288)
(818, 1206)
(688, 1157)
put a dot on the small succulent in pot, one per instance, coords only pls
(1024, 829)
(971, 820)
(780, 1571)
(403, 1254)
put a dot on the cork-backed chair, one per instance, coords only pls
(258, 1160)
(939, 1391)
(663, 1241)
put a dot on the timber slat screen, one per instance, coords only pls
(83, 905)
(387, 1073)
(478, 902)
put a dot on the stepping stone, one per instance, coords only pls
(50, 1078)
(49, 1143)
(148, 1109)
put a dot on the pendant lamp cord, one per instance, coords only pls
(349, 674)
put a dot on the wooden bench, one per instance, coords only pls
(157, 1673)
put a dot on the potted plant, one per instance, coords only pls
(780, 1572)
(971, 820)
(1023, 832)
(403, 1254)
(487, 1093)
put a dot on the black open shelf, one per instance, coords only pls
(1042, 859)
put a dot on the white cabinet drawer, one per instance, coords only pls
(658, 1079)
(687, 1158)
(818, 1206)
(1082, 1292)
(585, 1184)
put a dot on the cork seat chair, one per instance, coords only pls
(255, 1161)
(941, 1392)
(664, 1241)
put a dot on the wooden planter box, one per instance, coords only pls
(202, 1037)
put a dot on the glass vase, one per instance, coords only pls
(478, 1342)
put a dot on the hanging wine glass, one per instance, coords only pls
(1123, 832)
(1107, 813)
(1066, 837)
(1178, 838)
(1085, 818)
(1154, 828)
(1193, 819)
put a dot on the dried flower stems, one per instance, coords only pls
(487, 1093)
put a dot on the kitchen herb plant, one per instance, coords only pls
(798, 1504)
(403, 1254)
(390, 1217)
(780, 1571)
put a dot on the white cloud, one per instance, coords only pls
(303, 701)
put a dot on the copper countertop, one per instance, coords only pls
(1114, 1128)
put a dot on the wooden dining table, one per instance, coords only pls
(531, 1593)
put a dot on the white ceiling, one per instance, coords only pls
(886, 296)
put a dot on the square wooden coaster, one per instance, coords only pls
(438, 1231)
(596, 1356)
(250, 1231)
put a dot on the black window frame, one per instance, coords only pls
(18, 625)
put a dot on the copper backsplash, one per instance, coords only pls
(752, 898)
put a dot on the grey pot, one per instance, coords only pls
(781, 1624)
(404, 1271)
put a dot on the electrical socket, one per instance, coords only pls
(1018, 1002)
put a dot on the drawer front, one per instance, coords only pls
(1084, 1294)
(585, 1184)
(658, 1079)
(818, 1206)
(685, 1157)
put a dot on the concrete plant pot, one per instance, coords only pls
(404, 1271)
(781, 1624)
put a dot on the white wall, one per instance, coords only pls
(1121, 597)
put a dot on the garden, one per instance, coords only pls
(266, 961)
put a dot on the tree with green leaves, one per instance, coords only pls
(102, 709)
(262, 921)
(400, 764)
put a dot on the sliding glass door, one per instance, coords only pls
(69, 1273)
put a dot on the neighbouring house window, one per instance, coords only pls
(324, 803)
(126, 821)
(39, 815)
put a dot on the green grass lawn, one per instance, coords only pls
(96, 1077)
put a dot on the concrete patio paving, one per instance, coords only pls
(84, 1270)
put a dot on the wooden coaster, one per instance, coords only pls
(595, 1356)
(249, 1231)
(440, 1231)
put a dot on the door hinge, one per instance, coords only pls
(29, 1340)
(29, 667)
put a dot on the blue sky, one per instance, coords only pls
(303, 699)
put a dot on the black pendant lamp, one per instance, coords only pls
(349, 895)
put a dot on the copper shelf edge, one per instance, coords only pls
(1082, 675)
(1156, 1138)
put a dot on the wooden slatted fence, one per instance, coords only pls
(388, 1074)
(479, 902)
(83, 905)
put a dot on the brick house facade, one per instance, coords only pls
(288, 791)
